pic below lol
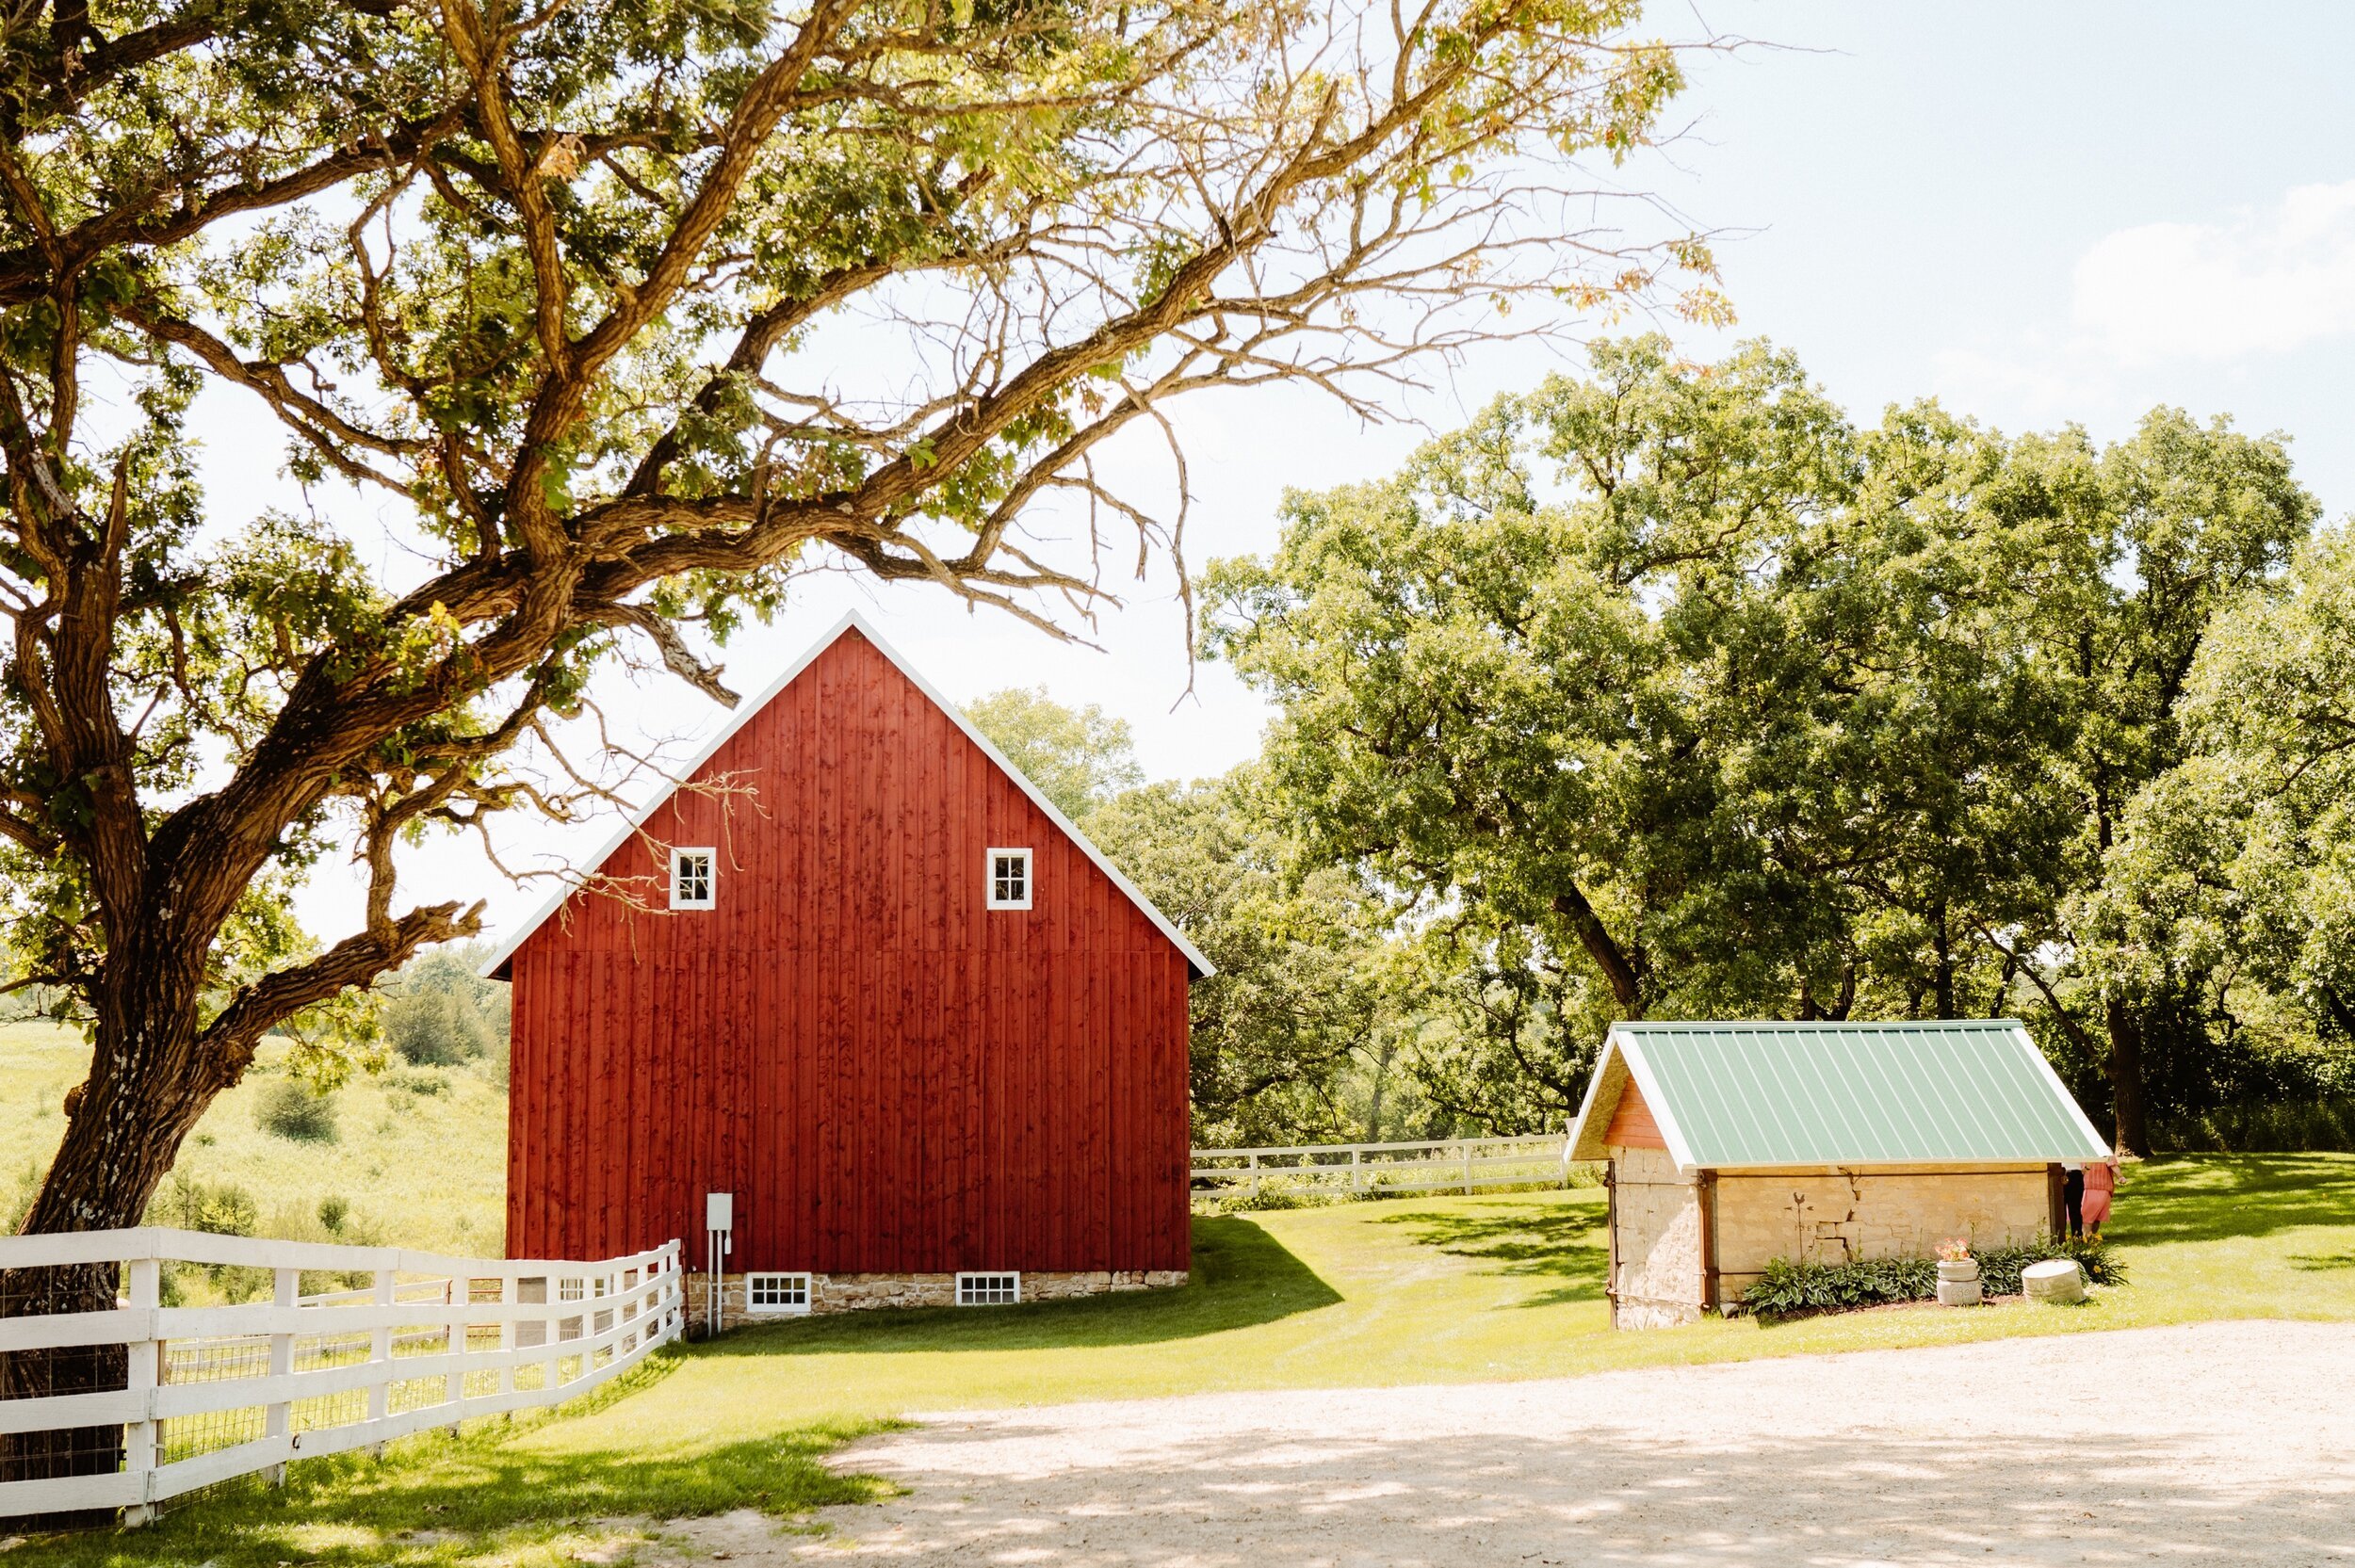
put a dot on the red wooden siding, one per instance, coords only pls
(890, 1077)
(1632, 1124)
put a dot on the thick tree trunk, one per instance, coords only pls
(74, 1370)
(1943, 973)
(1617, 967)
(124, 1126)
(2125, 1064)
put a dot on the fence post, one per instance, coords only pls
(551, 1303)
(508, 1294)
(1356, 1170)
(459, 1294)
(279, 1421)
(1467, 1182)
(1255, 1175)
(144, 1368)
(380, 1356)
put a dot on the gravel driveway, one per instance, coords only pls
(2222, 1442)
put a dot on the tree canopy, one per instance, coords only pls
(600, 322)
(1672, 690)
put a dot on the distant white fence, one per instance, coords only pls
(1458, 1164)
(216, 1392)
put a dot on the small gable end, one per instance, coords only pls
(1632, 1125)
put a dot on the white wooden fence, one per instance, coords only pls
(1458, 1164)
(216, 1392)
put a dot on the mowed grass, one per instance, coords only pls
(1461, 1290)
(427, 1171)
(1436, 1290)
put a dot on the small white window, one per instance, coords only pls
(988, 1289)
(776, 1292)
(693, 873)
(1010, 879)
(572, 1289)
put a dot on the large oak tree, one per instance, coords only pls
(1671, 688)
(613, 316)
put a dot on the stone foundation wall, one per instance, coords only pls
(1820, 1215)
(1832, 1216)
(868, 1292)
(1659, 1240)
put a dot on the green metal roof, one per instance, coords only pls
(1953, 1092)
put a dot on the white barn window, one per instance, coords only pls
(988, 1289)
(1010, 879)
(694, 879)
(776, 1292)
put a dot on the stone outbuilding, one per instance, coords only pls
(1731, 1144)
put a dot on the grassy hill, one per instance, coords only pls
(419, 1159)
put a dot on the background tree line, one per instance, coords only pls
(1673, 690)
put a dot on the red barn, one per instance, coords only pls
(866, 982)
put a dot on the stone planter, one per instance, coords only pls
(2056, 1280)
(1959, 1282)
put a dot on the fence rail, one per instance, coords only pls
(210, 1393)
(1456, 1164)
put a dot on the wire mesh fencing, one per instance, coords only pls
(116, 1393)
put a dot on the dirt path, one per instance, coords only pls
(2226, 1442)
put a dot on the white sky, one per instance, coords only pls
(2041, 214)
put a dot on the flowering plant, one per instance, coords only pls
(1954, 1249)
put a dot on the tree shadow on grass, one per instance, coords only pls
(1243, 1276)
(2316, 1263)
(2217, 1197)
(1562, 1241)
(437, 1501)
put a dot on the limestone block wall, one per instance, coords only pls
(867, 1292)
(1834, 1216)
(1657, 1236)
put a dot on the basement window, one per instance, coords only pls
(988, 1289)
(1010, 879)
(776, 1292)
(693, 875)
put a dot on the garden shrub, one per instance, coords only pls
(1793, 1288)
(291, 1109)
(434, 1028)
(217, 1208)
(423, 1081)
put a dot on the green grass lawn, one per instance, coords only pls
(1442, 1289)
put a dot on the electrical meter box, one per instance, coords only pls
(719, 1211)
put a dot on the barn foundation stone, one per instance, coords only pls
(830, 1293)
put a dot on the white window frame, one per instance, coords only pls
(970, 1284)
(989, 878)
(711, 876)
(751, 1293)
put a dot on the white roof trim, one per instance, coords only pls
(1593, 1087)
(1655, 1101)
(1626, 1047)
(1203, 967)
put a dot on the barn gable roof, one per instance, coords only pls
(497, 966)
(1953, 1092)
